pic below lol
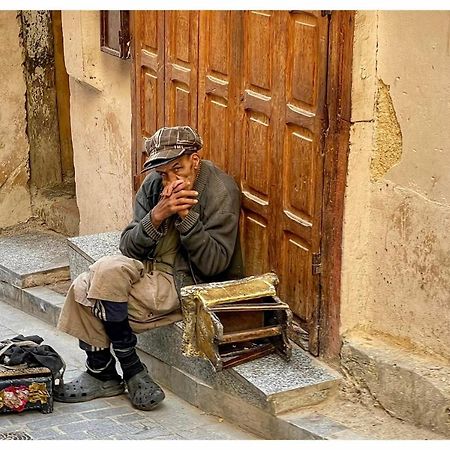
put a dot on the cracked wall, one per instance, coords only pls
(387, 149)
(100, 111)
(396, 243)
(15, 203)
(42, 115)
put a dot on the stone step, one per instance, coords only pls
(41, 302)
(412, 386)
(239, 410)
(33, 258)
(332, 420)
(229, 394)
(268, 383)
(84, 250)
(268, 396)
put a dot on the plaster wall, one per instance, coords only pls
(15, 200)
(100, 110)
(42, 114)
(396, 245)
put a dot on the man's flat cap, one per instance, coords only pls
(169, 143)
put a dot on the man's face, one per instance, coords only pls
(183, 168)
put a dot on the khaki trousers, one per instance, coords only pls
(151, 296)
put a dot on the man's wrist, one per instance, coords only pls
(150, 229)
(187, 223)
(155, 220)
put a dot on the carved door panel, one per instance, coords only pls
(281, 124)
(254, 84)
(181, 67)
(218, 96)
(256, 123)
(148, 102)
(301, 152)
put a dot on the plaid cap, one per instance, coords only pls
(169, 143)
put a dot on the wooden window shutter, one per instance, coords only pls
(115, 33)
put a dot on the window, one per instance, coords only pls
(115, 33)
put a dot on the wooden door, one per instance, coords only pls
(218, 94)
(181, 66)
(281, 121)
(165, 53)
(148, 50)
(258, 134)
(254, 84)
(303, 121)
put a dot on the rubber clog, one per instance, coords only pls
(85, 387)
(143, 392)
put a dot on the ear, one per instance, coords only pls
(196, 160)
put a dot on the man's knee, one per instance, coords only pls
(116, 272)
(117, 265)
(108, 311)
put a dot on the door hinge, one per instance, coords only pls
(326, 13)
(316, 263)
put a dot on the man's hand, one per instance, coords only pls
(176, 198)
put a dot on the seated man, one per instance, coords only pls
(184, 231)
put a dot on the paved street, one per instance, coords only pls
(108, 418)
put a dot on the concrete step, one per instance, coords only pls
(85, 250)
(268, 396)
(269, 384)
(239, 410)
(336, 419)
(259, 390)
(42, 302)
(411, 386)
(33, 258)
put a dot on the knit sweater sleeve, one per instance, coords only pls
(210, 236)
(138, 240)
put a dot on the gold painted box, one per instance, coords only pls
(26, 389)
(235, 321)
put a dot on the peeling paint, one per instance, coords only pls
(396, 238)
(388, 136)
(43, 131)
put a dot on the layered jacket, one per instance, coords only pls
(209, 237)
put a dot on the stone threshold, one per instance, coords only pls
(408, 385)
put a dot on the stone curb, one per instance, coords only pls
(413, 388)
(294, 425)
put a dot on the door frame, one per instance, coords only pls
(337, 139)
(336, 149)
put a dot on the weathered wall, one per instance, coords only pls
(101, 125)
(42, 114)
(396, 249)
(15, 202)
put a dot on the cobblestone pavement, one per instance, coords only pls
(106, 418)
